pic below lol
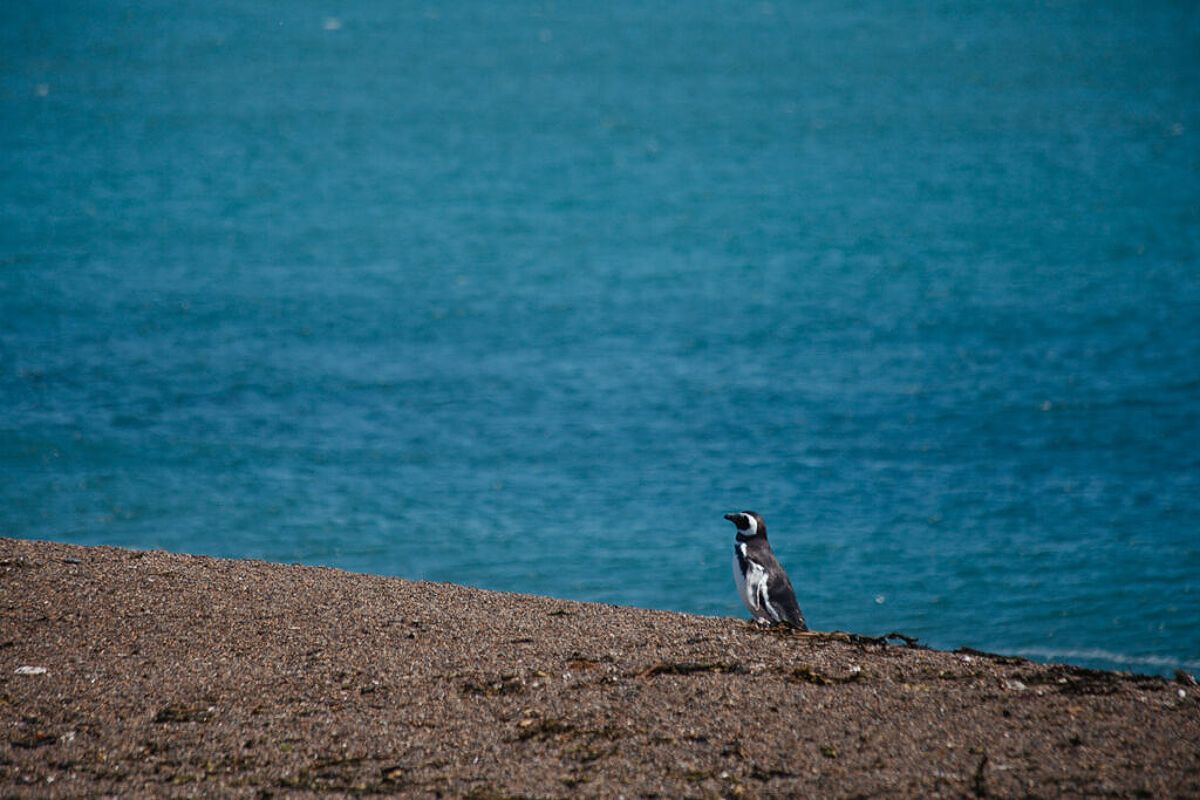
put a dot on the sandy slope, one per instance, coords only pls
(180, 675)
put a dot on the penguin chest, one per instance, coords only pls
(751, 581)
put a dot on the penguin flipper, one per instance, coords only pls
(783, 598)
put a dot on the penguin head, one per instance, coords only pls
(748, 523)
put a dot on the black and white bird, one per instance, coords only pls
(762, 583)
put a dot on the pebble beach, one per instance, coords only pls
(133, 673)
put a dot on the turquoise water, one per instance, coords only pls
(526, 296)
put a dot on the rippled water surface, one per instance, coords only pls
(526, 296)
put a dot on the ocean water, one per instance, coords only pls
(527, 295)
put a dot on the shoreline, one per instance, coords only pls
(181, 675)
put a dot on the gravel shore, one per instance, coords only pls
(132, 674)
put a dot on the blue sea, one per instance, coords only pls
(527, 295)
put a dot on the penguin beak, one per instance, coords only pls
(732, 518)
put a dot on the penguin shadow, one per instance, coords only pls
(787, 630)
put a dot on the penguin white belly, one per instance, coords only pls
(752, 585)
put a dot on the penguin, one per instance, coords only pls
(761, 581)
